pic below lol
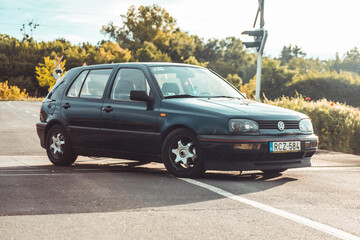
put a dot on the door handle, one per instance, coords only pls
(66, 105)
(107, 109)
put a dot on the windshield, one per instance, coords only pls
(186, 81)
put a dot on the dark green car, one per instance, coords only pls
(185, 116)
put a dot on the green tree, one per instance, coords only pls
(144, 24)
(150, 33)
(235, 80)
(230, 57)
(192, 60)
(303, 65)
(181, 46)
(335, 65)
(112, 52)
(274, 78)
(150, 53)
(290, 52)
(351, 61)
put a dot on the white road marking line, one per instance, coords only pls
(27, 111)
(293, 217)
(9, 103)
(34, 115)
(29, 174)
(24, 170)
(23, 156)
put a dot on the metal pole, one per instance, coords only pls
(258, 78)
(262, 14)
(259, 59)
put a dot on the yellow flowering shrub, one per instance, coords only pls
(11, 92)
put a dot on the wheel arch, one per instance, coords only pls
(174, 127)
(49, 126)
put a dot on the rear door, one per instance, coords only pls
(130, 126)
(81, 107)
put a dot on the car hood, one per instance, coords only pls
(233, 107)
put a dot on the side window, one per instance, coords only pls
(54, 94)
(76, 86)
(128, 79)
(95, 83)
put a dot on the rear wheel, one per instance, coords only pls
(58, 147)
(181, 154)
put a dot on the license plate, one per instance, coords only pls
(293, 146)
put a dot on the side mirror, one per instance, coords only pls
(140, 95)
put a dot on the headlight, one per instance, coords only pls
(305, 125)
(243, 125)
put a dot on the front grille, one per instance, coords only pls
(270, 124)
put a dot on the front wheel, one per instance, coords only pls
(181, 154)
(58, 147)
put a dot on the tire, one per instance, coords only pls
(181, 154)
(58, 147)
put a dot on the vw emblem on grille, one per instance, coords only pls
(281, 125)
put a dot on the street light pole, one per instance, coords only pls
(259, 58)
(258, 77)
(260, 36)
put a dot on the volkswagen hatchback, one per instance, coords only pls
(187, 117)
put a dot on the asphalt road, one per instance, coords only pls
(118, 199)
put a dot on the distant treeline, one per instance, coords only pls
(149, 33)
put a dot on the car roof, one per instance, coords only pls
(134, 64)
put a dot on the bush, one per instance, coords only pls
(339, 87)
(11, 92)
(337, 125)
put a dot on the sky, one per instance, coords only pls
(321, 28)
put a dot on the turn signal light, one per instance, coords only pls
(309, 144)
(247, 146)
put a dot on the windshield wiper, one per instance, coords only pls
(181, 96)
(223, 97)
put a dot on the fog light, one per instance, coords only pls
(309, 144)
(247, 146)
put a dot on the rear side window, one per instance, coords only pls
(90, 84)
(76, 86)
(54, 94)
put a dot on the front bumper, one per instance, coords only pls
(219, 153)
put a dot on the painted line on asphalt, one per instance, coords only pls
(34, 115)
(9, 103)
(332, 168)
(29, 174)
(293, 217)
(24, 170)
